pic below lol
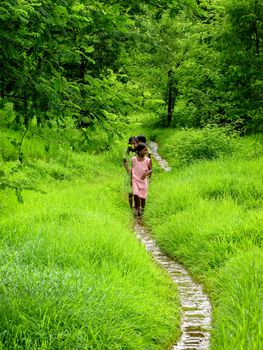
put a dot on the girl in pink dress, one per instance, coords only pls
(141, 169)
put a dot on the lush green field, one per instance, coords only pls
(73, 275)
(208, 214)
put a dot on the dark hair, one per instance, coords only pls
(132, 138)
(141, 138)
(140, 147)
(129, 149)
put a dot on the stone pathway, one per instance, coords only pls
(196, 309)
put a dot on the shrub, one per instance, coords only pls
(187, 146)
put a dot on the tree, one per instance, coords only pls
(56, 56)
(241, 58)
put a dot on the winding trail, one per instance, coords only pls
(196, 309)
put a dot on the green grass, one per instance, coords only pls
(209, 216)
(73, 275)
(238, 287)
(184, 147)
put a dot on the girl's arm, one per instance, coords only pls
(126, 165)
(148, 172)
(150, 168)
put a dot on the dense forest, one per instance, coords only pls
(77, 79)
(68, 63)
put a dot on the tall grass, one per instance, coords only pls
(209, 216)
(182, 148)
(73, 276)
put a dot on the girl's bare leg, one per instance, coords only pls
(137, 204)
(131, 200)
(142, 204)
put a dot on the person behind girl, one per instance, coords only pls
(127, 163)
(141, 169)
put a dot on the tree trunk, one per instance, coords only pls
(256, 29)
(171, 97)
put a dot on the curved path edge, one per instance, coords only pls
(196, 310)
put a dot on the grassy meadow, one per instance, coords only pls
(208, 214)
(73, 275)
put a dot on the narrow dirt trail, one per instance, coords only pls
(196, 309)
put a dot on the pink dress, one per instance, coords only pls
(139, 186)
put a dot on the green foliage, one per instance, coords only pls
(57, 61)
(9, 179)
(187, 146)
(18, 186)
(239, 303)
(92, 63)
(240, 55)
(209, 216)
(73, 275)
(7, 114)
(217, 75)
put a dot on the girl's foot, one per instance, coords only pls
(136, 212)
